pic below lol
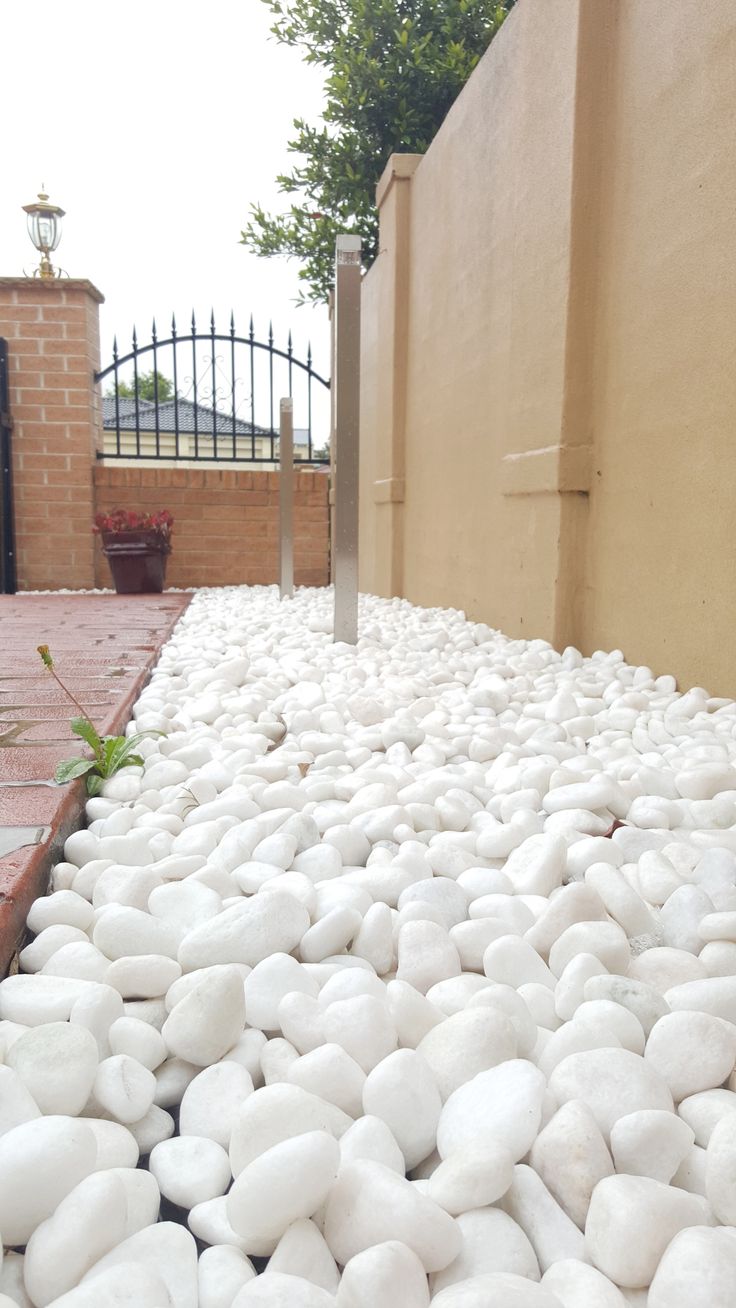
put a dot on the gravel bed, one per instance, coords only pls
(402, 974)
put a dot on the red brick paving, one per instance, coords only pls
(103, 648)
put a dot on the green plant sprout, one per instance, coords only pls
(111, 753)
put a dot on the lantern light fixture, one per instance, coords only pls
(44, 229)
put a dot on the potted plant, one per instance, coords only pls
(135, 545)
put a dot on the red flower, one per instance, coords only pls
(123, 520)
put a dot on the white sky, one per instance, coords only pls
(154, 124)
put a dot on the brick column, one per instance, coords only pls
(52, 330)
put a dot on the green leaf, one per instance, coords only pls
(84, 728)
(71, 768)
(94, 783)
(119, 753)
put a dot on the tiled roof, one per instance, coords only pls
(174, 415)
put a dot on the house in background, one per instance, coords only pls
(179, 430)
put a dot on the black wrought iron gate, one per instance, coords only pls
(7, 535)
(211, 395)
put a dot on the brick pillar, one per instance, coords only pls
(52, 330)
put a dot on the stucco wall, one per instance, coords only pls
(548, 341)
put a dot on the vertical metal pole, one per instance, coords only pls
(286, 498)
(347, 435)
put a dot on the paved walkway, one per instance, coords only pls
(103, 648)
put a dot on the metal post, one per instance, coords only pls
(347, 435)
(286, 498)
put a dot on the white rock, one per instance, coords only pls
(190, 1169)
(716, 995)
(124, 1088)
(631, 1220)
(140, 1040)
(413, 1014)
(63, 907)
(703, 1111)
(548, 1228)
(503, 1104)
(385, 1273)
(363, 1027)
(207, 1022)
(696, 1270)
(605, 940)
(612, 1082)
(425, 955)
(17, 1104)
(691, 1051)
(212, 1100)
(577, 1285)
(370, 1138)
(246, 933)
(471, 1178)
(496, 1290)
(268, 983)
(402, 1091)
(121, 931)
(57, 1064)
(287, 1182)
(276, 1113)
(491, 1242)
(536, 867)
(127, 1286)
(276, 1290)
(370, 1204)
(331, 1074)
(88, 1222)
(571, 1157)
(61, 1150)
(650, 1143)
(302, 1251)
(512, 961)
(167, 1250)
(47, 943)
(720, 1173)
(222, 1271)
(116, 1147)
(469, 1042)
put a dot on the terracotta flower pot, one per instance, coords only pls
(137, 560)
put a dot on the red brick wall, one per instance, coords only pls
(53, 345)
(226, 528)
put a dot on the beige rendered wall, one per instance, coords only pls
(548, 341)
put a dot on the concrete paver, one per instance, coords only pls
(104, 647)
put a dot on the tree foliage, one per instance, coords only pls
(394, 67)
(146, 388)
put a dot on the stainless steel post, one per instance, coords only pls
(286, 498)
(347, 435)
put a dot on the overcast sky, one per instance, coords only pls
(155, 124)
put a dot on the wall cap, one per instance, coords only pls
(45, 283)
(555, 469)
(392, 490)
(400, 167)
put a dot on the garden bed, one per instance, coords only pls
(402, 974)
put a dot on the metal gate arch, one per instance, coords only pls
(206, 423)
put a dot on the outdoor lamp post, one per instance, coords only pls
(44, 229)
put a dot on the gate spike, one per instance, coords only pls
(153, 331)
(114, 347)
(173, 325)
(194, 325)
(309, 354)
(250, 331)
(135, 339)
(212, 321)
(289, 347)
(232, 323)
(270, 333)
